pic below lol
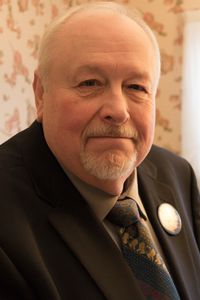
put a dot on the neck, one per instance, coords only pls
(112, 187)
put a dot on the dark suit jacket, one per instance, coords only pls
(51, 245)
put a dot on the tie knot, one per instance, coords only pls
(124, 213)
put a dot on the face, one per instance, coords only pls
(98, 107)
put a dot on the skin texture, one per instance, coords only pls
(98, 106)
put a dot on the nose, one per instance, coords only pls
(115, 109)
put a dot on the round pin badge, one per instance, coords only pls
(169, 218)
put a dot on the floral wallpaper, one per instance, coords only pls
(22, 23)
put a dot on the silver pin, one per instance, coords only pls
(169, 218)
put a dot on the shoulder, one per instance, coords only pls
(11, 150)
(162, 157)
(10, 153)
(168, 166)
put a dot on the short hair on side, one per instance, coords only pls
(47, 41)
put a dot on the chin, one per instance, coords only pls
(109, 166)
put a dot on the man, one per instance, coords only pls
(95, 89)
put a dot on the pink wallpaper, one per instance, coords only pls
(21, 25)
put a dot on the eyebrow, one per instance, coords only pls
(138, 75)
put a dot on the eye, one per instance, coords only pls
(89, 87)
(89, 83)
(137, 87)
(138, 92)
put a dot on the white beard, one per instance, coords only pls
(110, 165)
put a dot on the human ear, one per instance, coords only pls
(39, 95)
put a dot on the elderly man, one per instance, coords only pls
(66, 180)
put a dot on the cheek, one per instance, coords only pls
(144, 123)
(62, 130)
(68, 116)
(74, 118)
(144, 120)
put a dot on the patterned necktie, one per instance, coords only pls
(140, 253)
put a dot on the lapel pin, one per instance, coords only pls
(169, 218)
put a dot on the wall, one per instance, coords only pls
(21, 25)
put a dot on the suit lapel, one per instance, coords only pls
(175, 248)
(97, 253)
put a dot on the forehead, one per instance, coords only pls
(102, 26)
(105, 37)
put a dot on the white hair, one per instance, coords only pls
(48, 40)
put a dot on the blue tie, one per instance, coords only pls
(140, 252)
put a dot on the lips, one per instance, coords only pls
(101, 143)
(113, 137)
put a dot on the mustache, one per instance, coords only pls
(111, 131)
